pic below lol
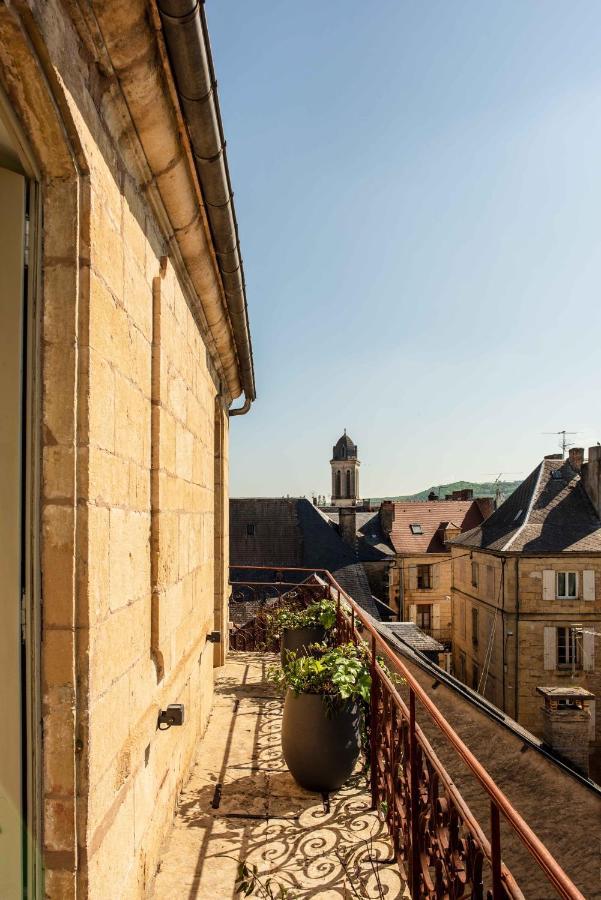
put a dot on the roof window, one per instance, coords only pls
(557, 474)
(416, 528)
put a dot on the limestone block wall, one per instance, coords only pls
(133, 494)
(438, 595)
(510, 591)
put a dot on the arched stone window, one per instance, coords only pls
(348, 483)
(338, 483)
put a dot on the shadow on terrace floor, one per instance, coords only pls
(261, 816)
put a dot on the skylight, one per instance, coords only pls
(416, 528)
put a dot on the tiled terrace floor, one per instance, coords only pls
(263, 817)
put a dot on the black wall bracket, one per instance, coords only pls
(214, 637)
(173, 715)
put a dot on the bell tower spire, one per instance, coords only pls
(345, 472)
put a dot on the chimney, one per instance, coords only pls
(463, 494)
(486, 505)
(591, 476)
(348, 524)
(567, 724)
(576, 457)
(554, 456)
(386, 516)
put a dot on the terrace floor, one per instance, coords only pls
(315, 847)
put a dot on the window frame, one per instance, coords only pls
(569, 663)
(416, 528)
(421, 610)
(429, 576)
(475, 631)
(566, 573)
(475, 574)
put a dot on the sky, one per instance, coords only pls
(418, 192)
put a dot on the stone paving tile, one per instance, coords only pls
(263, 817)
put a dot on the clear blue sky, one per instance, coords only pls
(418, 189)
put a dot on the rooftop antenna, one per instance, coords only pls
(497, 483)
(564, 443)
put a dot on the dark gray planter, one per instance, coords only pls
(299, 639)
(321, 747)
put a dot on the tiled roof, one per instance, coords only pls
(344, 448)
(549, 512)
(293, 532)
(372, 544)
(431, 516)
(410, 633)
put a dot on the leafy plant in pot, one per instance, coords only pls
(326, 699)
(301, 627)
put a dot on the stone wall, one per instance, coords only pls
(512, 616)
(133, 500)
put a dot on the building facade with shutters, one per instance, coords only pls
(419, 577)
(526, 589)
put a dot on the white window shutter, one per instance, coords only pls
(588, 650)
(588, 584)
(550, 639)
(413, 612)
(436, 616)
(548, 584)
(413, 578)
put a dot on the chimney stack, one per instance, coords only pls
(576, 457)
(386, 516)
(567, 724)
(591, 476)
(348, 524)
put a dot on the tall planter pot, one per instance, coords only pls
(299, 639)
(321, 746)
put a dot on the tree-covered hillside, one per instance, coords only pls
(480, 489)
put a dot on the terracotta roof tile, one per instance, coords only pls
(432, 516)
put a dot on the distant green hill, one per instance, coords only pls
(480, 489)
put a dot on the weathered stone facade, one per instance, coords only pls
(505, 657)
(134, 426)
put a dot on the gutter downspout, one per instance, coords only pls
(187, 40)
(241, 410)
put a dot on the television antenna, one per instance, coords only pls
(564, 443)
(497, 483)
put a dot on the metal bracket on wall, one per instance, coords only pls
(214, 637)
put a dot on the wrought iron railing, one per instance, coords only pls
(440, 845)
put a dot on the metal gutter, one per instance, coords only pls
(187, 40)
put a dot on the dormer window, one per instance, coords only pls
(416, 528)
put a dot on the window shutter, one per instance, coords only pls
(413, 578)
(413, 612)
(588, 650)
(436, 575)
(548, 584)
(588, 584)
(435, 616)
(550, 638)
(592, 722)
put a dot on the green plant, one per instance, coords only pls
(320, 612)
(340, 673)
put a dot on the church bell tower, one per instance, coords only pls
(345, 472)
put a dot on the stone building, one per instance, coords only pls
(292, 532)
(419, 579)
(123, 339)
(527, 593)
(345, 472)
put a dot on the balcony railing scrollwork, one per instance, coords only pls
(442, 849)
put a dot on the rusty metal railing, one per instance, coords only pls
(441, 846)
